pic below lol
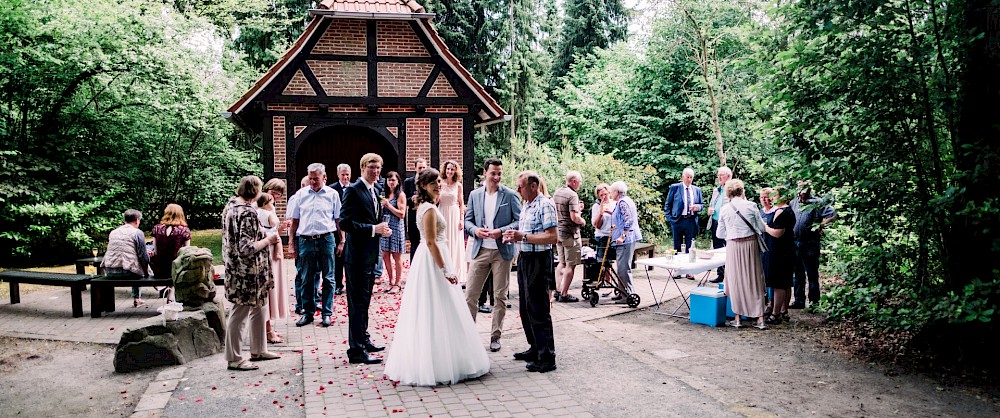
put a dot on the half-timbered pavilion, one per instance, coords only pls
(366, 76)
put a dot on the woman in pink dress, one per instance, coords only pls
(452, 206)
(277, 297)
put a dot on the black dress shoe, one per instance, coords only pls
(485, 309)
(326, 321)
(541, 366)
(716, 280)
(797, 305)
(526, 355)
(339, 291)
(304, 320)
(364, 358)
(372, 348)
(298, 311)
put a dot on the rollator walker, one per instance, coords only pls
(612, 281)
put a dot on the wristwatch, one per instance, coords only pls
(524, 238)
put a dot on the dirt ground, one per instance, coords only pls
(54, 378)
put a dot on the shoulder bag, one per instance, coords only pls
(760, 238)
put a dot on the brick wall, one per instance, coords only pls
(344, 37)
(447, 109)
(394, 131)
(299, 86)
(418, 140)
(450, 139)
(298, 130)
(396, 38)
(442, 88)
(342, 78)
(399, 79)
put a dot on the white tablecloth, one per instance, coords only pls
(679, 264)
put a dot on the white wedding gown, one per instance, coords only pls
(435, 340)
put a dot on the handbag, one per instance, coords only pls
(760, 238)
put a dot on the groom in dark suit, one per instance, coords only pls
(361, 220)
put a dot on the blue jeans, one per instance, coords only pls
(317, 257)
(299, 270)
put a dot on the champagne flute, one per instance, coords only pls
(94, 251)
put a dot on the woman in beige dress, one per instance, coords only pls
(739, 225)
(452, 206)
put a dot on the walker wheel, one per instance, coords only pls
(585, 292)
(633, 300)
(594, 297)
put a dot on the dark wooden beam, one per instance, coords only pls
(431, 78)
(359, 58)
(313, 81)
(316, 117)
(372, 58)
(363, 101)
(435, 143)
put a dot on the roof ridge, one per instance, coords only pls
(372, 5)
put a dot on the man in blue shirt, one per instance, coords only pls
(536, 233)
(315, 218)
(715, 205)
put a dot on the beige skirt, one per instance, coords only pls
(745, 277)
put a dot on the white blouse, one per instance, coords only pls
(730, 224)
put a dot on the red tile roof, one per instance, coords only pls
(373, 6)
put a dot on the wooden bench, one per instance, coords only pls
(102, 290)
(643, 247)
(77, 283)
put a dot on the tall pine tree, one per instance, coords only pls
(588, 25)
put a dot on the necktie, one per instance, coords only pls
(687, 199)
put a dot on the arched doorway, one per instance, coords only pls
(343, 144)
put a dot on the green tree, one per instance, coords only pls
(589, 25)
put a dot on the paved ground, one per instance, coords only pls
(613, 361)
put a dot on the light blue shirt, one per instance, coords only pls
(317, 211)
(536, 217)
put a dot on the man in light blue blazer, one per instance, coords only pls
(491, 210)
(682, 206)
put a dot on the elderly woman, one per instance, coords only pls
(127, 256)
(600, 217)
(248, 274)
(625, 233)
(739, 225)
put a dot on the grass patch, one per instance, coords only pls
(211, 239)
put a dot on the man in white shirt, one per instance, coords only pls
(491, 210)
(315, 219)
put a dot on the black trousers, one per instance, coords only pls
(338, 267)
(718, 243)
(360, 281)
(534, 269)
(412, 233)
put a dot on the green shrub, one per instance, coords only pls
(45, 233)
(552, 165)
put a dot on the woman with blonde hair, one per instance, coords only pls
(740, 224)
(169, 236)
(277, 297)
(452, 206)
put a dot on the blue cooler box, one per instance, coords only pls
(708, 306)
(729, 305)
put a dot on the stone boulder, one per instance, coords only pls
(193, 276)
(154, 343)
(215, 313)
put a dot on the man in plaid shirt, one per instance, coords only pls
(536, 234)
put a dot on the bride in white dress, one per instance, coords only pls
(435, 340)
